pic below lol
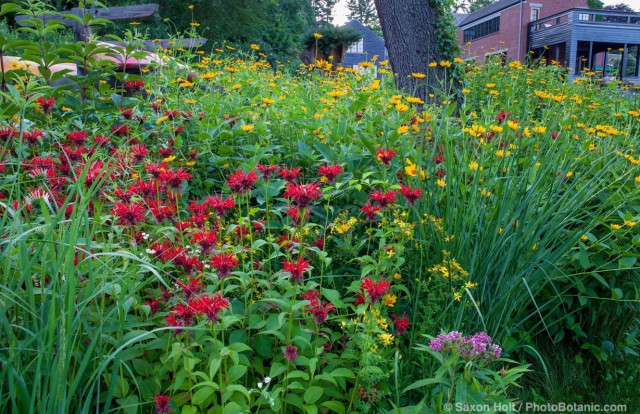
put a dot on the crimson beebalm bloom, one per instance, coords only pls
(193, 287)
(267, 171)
(375, 289)
(411, 194)
(224, 263)
(329, 172)
(205, 239)
(384, 198)
(290, 174)
(370, 212)
(296, 268)
(77, 137)
(401, 324)
(291, 353)
(128, 213)
(241, 182)
(210, 306)
(220, 204)
(162, 404)
(295, 215)
(6, 133)
(46, 104)
(139, 151)
(319, 309)
(120, 130)
(134, 85)
(174, 178)
(33, 137)
(302, 195)
(385, 155)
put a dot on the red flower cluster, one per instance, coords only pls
(375, 289)
(224, 263)
(330, 172)
(385, 155)
(241, 182)
(318, 308)
(302, 195)
(296, 268)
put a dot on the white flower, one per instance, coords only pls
(267, 380)
(151, 251)
(260, 385)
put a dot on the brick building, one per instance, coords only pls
(562, 31)
(502, 27)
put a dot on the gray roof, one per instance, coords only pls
(488, 10)
(459, 17)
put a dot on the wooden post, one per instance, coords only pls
(590, 56)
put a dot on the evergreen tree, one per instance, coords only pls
(478, 4)
(362, 10)
(324, 11)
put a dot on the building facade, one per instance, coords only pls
(369, 46)
(503, 27)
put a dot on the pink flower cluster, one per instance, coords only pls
(470, 347)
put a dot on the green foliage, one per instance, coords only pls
(323, 11)
(595, 4)
(519, 217)
(332, 37)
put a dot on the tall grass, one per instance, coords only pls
(63, 324)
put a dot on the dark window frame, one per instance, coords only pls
(483, 29)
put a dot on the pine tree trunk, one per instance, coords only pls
(411, 39)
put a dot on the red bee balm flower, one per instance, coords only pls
(370, 212)
(46, 104)
(224, 263)
(410, 194)
(128, 213)
(375, 289)
(296, 268)
(290, 174)
(330, 172)
(162, 404)
(401, 324)
(291, 353)
(266, 171)
(384, 199)
(241, 182)
(385, 155)
(174, 178)
(211, 306)
(134, 85)
(302, 195)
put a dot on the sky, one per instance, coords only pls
(340, 11)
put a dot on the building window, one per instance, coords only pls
(483, 29)
(357, 47)
(535, 13)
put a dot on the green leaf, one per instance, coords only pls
(627, 262)
(214, 366)
(236, 372)
(343, 372)
(423, 383)
(202, 394)
(333, 405)
(313, 394)
(263, 345)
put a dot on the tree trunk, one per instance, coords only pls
(411, 39)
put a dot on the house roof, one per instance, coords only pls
(459, 17)
(487, 11)
(364, 30)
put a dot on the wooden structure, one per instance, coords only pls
(82, 33)
(586, 39)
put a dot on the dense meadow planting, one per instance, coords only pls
(222, 236)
